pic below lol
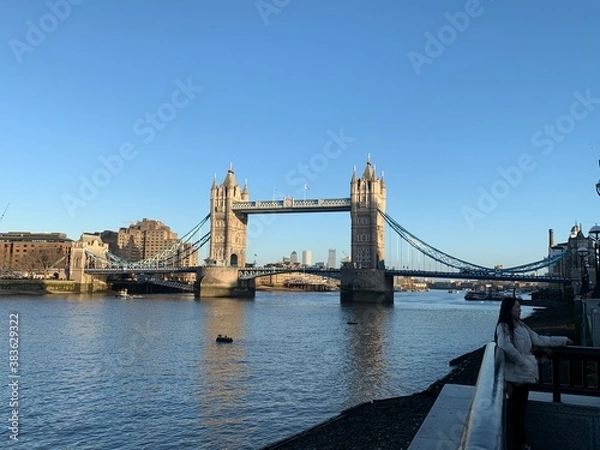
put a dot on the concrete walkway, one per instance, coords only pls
(573, 424)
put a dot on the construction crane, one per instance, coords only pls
(2, 216)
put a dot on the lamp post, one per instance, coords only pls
(585, 282)
(585, 277)
(582, 252)
(594, 234)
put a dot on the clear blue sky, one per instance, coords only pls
(444, 96)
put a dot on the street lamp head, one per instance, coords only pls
(598, 187)
(595, 232)
(582, 251)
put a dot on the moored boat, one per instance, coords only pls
(489, 295)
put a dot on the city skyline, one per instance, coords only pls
(481, 116)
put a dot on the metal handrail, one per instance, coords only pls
(573, 370)
(484, 425)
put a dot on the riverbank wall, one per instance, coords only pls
(44, 287)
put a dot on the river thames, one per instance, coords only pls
(98, 372)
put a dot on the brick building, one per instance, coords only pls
(30, 252)
(146, 239)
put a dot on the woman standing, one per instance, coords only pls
(520, 368)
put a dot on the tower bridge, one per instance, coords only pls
(230, 207)
(226, 272)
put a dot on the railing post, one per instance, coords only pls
(555, 380)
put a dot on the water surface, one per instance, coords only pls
(103, 373)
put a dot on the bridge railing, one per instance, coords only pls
(484, 424)
(569, 370)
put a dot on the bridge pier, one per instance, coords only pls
(223, 282)
(198, 283)
(366, 286)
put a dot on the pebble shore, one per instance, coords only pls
(391, 424)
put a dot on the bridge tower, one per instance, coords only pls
(228, 229)
(367, 196)
(366, 281)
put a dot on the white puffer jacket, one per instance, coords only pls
(520, 364)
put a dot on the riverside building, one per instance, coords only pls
(579, 268)
(27, 252)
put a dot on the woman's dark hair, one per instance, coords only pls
(506, 316)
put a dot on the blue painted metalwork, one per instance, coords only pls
(255, 272)
(293, 205)
(168, 256)
(464, 266)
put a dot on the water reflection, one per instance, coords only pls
(365, 365)
(223, 367)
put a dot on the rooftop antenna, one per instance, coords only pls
(2, 216)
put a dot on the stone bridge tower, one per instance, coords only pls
(367, 196)
(228, 229)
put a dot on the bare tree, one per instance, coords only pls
(46, 258)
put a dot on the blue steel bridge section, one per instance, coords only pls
(465, 267)
(167, 261)
(248, 273)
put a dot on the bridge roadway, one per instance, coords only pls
(247, 273)
(147, 270)
(491, 276)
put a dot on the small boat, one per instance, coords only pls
(122, 294)
(224, 338)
